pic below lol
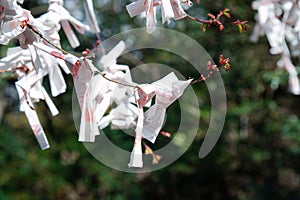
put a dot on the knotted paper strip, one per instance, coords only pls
(167, 90)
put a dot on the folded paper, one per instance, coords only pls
(170, 9)
(167, 90)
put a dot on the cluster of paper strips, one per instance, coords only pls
(29, 63)
(106, 97)
(170, 9)
(279, 20)
(96, 94)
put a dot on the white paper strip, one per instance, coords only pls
(36, 127)
(36, 62)
(70, 33)
(27, 107)
(111, 57)
(49, 102)
(136, 8)
(90, 16)
(88, 125)
(150, 16)
(166, 11)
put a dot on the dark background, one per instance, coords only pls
(257, 156)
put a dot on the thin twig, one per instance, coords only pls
(203, 21)
(4, 71)
(48, 41)
(124, 84)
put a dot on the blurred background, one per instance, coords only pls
(257, 156)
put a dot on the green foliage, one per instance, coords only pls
(257, 156)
